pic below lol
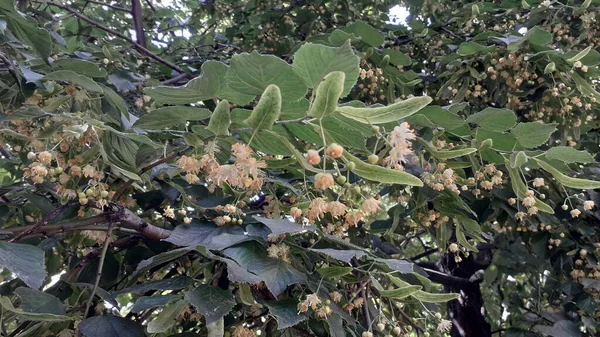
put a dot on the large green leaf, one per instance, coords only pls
(75, 79)
(32, 316)
(277, 274)
(267, 110)
(25, 261)
(532, 135)
(435, 116)
(268, 142)
(26, 30)
(39, 302)
(494, 119)
(115, 99)
(381, 174)
(251, 74)
(169, 116)
(471, 48)
(109, 325)
(312, 62)
(400, 293)
(285, 312)
(211, 302)
(213, 84)
(386, 114)
(220, 119)
(369, 35)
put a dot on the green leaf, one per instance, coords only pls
(446, 154)
(436, 116)
(212, 84)
(75, 79)
(494, 119)
(252, 74)
(305, 132)
(173, 95)
(434, 298)
(472, 48)
(462, 239)
(220, 119)
(397, 58)
(333, 272)
(400, 293)
(532, 135)
(381, 174)
(371, 36)
(25, 113)
(166, 318)
(160, 259)
(538, 36)
(282, 226)
(391, 113)
(109, 325)
(520, 189)
(82, 67)
(148, 302)
(31, 316)
(338, 37)
(335, 134)
(342, 255)
(212, 302)
(312, 62)
(568, 155)
(518, 159)
(164, 284)
(39, 302)
(277, 274)
(115, 99)
(565, 179)
(170, 116)
(267, 110)
(27, 31)
(327, 95)
(580, 55)
(25, 261)
(268, 142)
(584, 87)
(285, 312)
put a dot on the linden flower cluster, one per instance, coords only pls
(39, 169)
(400, 140)
(244, 173)
(313, 302)
(280, 251)
(371, 80)
(442, 178)
(241, 331)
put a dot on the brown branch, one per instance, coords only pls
(109, 5)
(138, 22)
(44, 221)
(99, 272)
(139, 47)
(145, 169)
(68, 226)
(176, 79)
(127, 219)
(365, 307)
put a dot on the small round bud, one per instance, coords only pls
(340, 180)
(564, 207)
(351, 166)
(31, 156)
(373, 159)
(375, 129)
(380, 327)
(438, 315)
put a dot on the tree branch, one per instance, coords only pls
(127, 219)
(99, 272)
(139, 47)
(138, 22)
(44, 221)
(145, 169)
(176, 79)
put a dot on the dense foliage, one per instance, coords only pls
(299, 168)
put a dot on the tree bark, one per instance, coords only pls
(466, 312)
(138, 22)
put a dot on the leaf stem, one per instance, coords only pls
(100, 266)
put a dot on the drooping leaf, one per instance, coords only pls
(386, 114)
(312, 62)
(109, 325)
(569, 155)
(25, 261)
(381, 174)
(166, 318)
(220, 119)
(565, 179)
(252, 74)
(434, 298)
(212, 302)
(72, 77)
(267, 110)
(6, 304)
(400, 293)
(170, 116)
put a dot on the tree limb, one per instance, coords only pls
(139, 47)
(42, 222)
(138, 22)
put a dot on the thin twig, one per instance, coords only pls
(410, 321)
(176, 79)
(99, 272)
(149, 3)
(365, 306)
(424, 254)
(139, 47)
(44, 221)
(145, 169)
